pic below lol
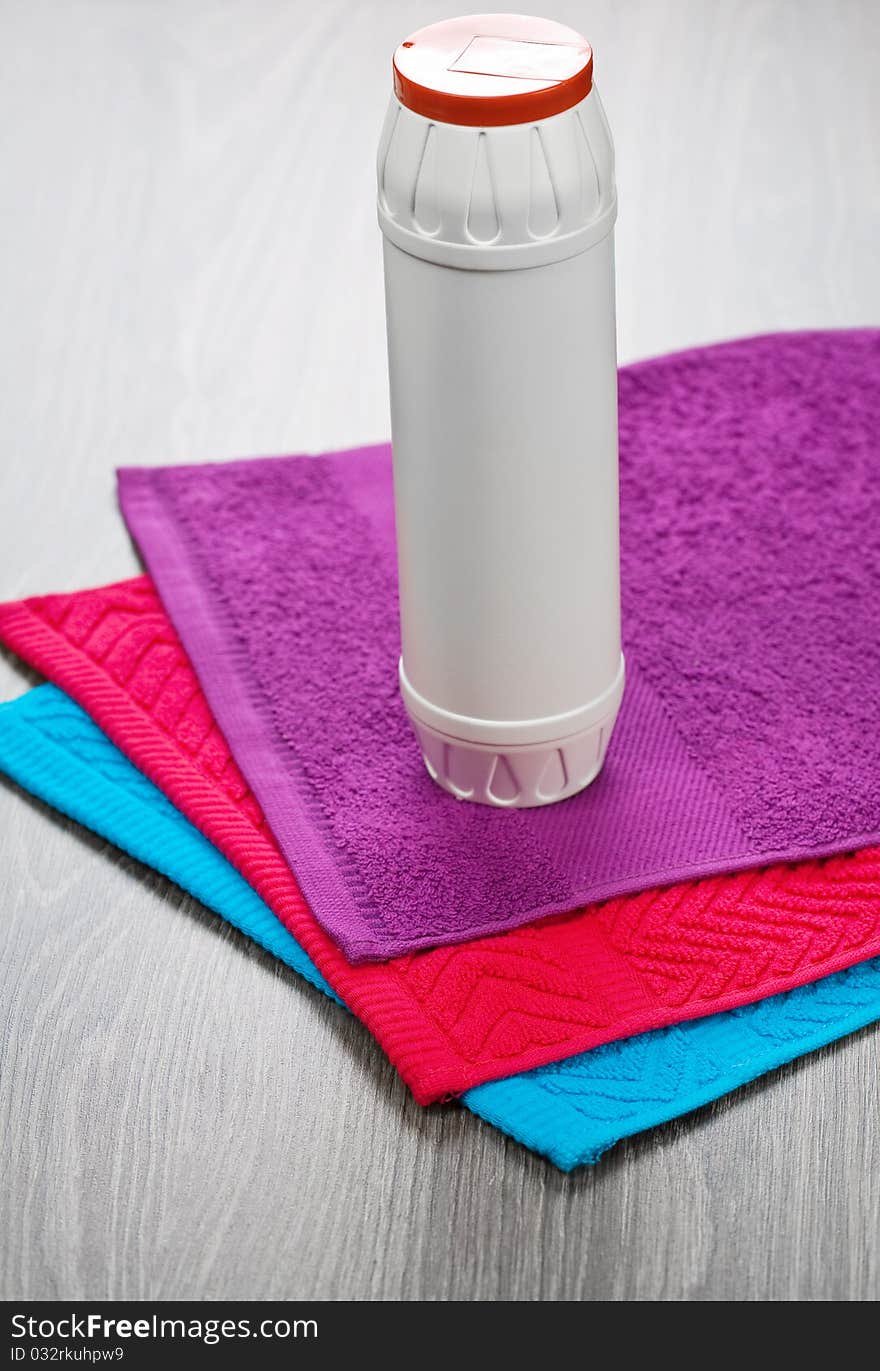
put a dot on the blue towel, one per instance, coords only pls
(570, 1112)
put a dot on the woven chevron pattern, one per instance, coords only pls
(570, 1112)
(124, 632)
(573, 1111)
(455, 1017)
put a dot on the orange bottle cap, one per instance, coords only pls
(486, 70)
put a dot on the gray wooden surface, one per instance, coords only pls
(189, 268)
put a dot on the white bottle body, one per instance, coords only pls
(504, 425)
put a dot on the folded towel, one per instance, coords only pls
(455, 1017)
(571, 1112)
(750, 730)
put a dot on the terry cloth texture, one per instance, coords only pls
(454, 1017)
(571, 1112)
(750, 730)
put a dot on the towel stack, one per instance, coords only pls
(707, 910)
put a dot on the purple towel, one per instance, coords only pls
(750, 730)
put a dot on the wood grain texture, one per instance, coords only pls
(191, 270)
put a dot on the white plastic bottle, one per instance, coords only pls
(497, 204)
